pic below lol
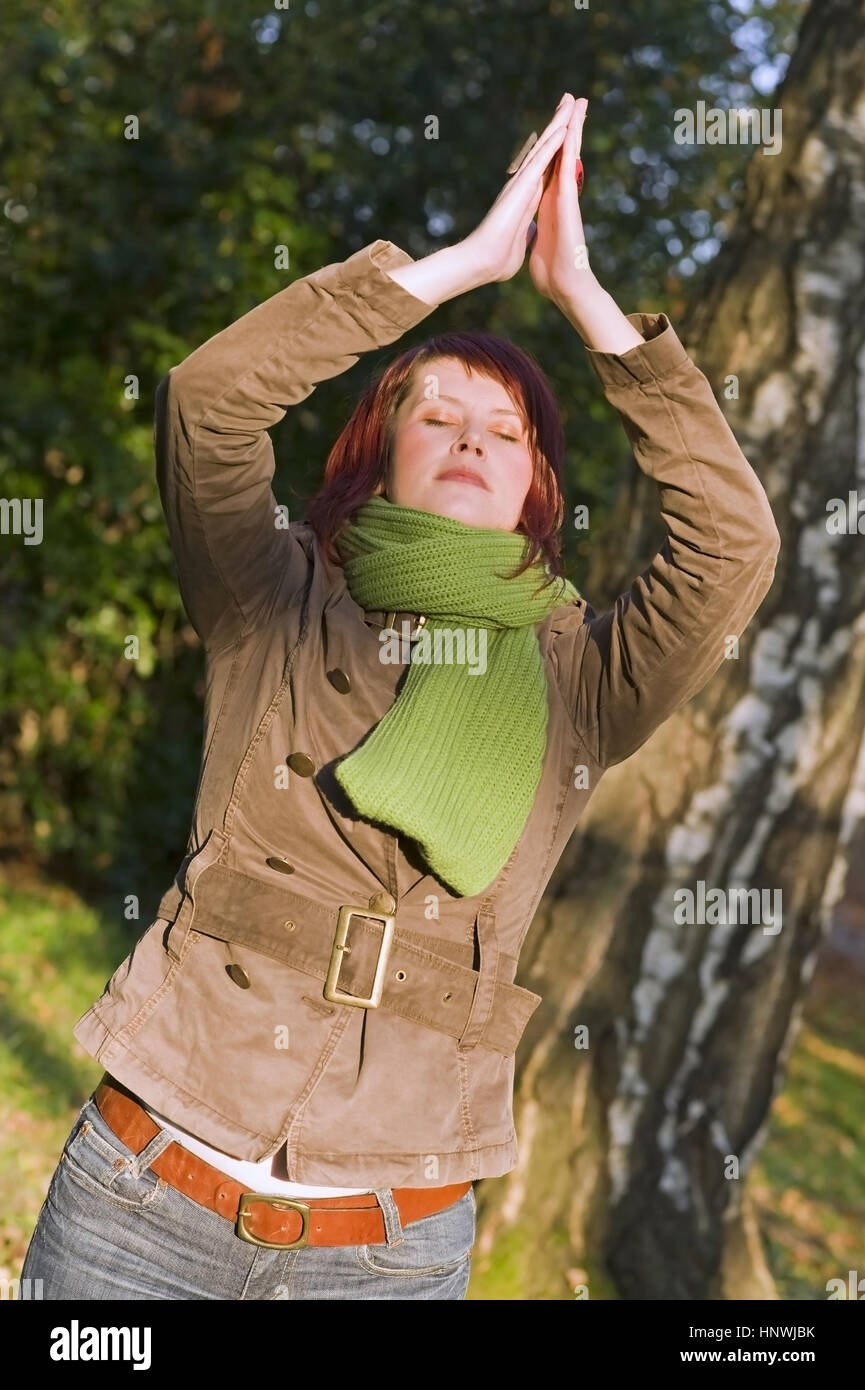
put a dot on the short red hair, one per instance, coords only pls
(358, 460)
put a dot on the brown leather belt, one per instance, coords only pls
(265, 1218)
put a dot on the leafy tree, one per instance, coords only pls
(154, 157)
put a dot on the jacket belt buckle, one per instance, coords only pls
(390, 621)
(341, 948)
(281, 1204)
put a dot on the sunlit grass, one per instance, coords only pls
(56, 955)
(809, 1181)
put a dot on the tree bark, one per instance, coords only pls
(635, 1150)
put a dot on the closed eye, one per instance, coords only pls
(510, 437)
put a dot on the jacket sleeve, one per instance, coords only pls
(214, 457)
(624, 672)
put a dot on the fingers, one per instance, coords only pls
(565, 106)
(522, 152)
(527, 185)
(536, 161)
(572, 146)
(578, 120)
(559, 123)
(559, 118)
(564, 167)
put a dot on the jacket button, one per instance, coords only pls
(302, 764)
(281, 864)
(339, 680)
(383, 902)
(238, 975)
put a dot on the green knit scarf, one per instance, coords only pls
(456, 760)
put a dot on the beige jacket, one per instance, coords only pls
(218, 1018)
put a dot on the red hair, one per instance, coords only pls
(359, 459)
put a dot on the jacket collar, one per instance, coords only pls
(376, 618)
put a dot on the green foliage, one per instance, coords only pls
(809, 1181)
(55, 957)
(303, 127)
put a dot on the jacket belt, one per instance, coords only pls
(437, 988)
(264, 1218)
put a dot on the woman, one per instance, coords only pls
(309, 1054)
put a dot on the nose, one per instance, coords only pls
(470, 442)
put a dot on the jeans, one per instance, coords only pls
(110, 1228)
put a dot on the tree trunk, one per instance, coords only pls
(635, 1150)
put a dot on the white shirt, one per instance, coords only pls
(258, 1177)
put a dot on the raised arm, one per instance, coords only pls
(214, 457)
(624, 672)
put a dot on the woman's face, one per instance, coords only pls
(451, 421)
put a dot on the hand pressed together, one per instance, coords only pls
(539, 208)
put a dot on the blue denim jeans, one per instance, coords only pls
(110, 1228)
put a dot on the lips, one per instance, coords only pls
(464, 475)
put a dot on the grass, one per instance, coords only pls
(809, 1180)
(56, 954)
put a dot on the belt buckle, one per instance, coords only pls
(341, 948)
(390, 620)
(282, 1204)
